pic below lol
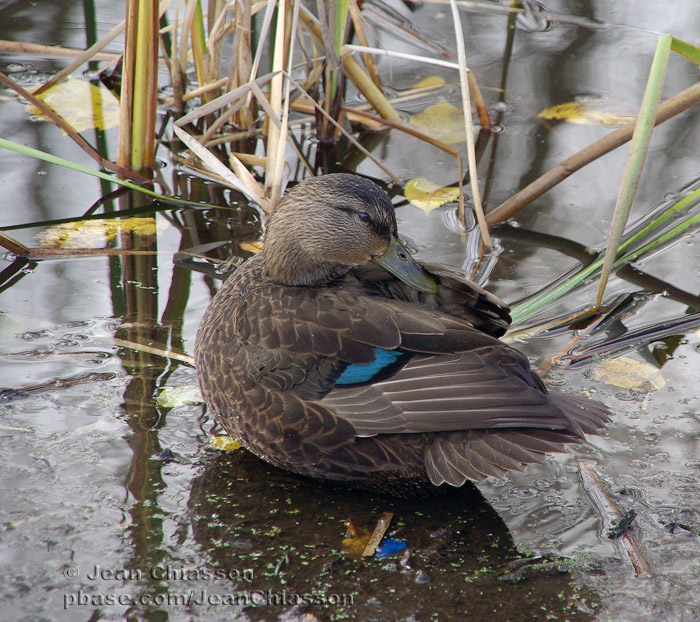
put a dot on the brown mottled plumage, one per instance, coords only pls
(321, 361)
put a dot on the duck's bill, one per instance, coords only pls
(397, 261)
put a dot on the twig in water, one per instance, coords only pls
(378, 534)
(140, 347)
(612, 515)
(670, 108)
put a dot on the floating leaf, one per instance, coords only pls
(224, 443)
(442, 121)
(628, 373)
(96, 233)
(82, 104)
(582, 113)
(429, 81)
(425, 194)
(169, 397)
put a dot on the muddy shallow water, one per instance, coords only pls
(113, 506)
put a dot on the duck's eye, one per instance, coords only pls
(364, 216)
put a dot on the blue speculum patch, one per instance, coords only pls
(385, 364)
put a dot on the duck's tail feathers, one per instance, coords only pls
(477, 454)
(588, 415)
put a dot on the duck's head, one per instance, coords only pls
(326, 225)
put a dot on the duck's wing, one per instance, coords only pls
(487, 388)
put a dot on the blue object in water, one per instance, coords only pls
(390, 547)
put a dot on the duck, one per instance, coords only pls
(333, 354)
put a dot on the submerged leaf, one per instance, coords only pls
(442, 121)
(355, 542)
(82, 104)
(423, 193)
(224, 443)
(429, 81)
(628, 373)
(96, 233)
(584, 114)
(169, 397)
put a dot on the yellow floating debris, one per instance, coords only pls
(583, 114)
(224, 443)
(425, 194)
(251, 247)
(628, 373)
(96, 233)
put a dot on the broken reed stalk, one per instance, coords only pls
(138, 101)
(470, 140)
(272, 130)
(611, 515)
(51, 51)
(247, 185)
(277, 132)
(241, 71)
(670, 108)
(41, 252)
(199, 43)
(126, 96)
(13, 245)
(378, 533)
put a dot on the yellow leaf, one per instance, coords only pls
(425, 194)
(442, 121)
(96, 233)
(224, 443)
(428, 82)
(82, 104)
(251, 247)
(582, 113)
(627, 373)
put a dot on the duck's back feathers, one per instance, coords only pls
(346, 320)
(456, 296)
